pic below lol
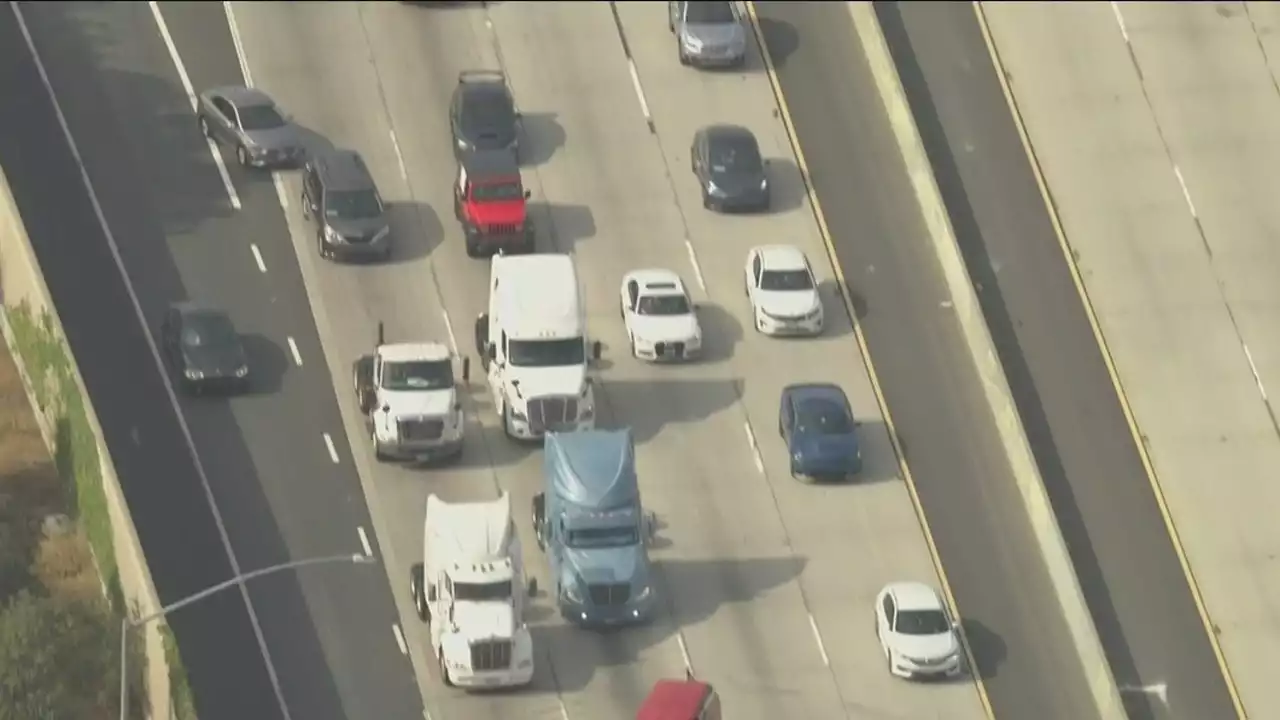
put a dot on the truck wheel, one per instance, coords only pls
(444, 673)
(377, 447)
(506, 422)
(416, 592)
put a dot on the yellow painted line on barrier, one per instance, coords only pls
(1107, 358)
(823, 230)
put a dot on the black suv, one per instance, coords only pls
(482, 114)
(341, 200)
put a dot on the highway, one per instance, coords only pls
(764, 599)
(1148, 620)
(280, 496)
(960, 471)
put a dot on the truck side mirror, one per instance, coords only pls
(596, 349)
(650, 526)
(492, 352)
(533, 587)
(386, 408)
(482, 332)
(528, 194)
(431, 593)
(367, 400)
(466, 369)
(382, 335)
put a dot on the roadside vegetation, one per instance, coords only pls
(60, 597)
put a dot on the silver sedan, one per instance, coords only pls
(249, 121)
(708, 33)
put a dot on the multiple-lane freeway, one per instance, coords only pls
(768, 583)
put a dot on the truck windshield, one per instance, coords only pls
(546, 353)
(417, 375)
(603, 537)
(479, 592)
(497, 192)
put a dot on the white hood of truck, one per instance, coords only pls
(535, 382)
(419, 403)
(484, 620)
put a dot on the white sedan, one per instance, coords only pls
(783, 292)
(660, 318)
(917, 635)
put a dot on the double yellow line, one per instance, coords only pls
(824, 231)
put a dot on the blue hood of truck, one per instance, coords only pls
(609, 564)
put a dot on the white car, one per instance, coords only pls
(783, 291)
(917, 635)
(661, 319)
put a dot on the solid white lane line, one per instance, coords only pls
(635, 83)
(114, 247)
(697, 267)
(684, 652)
(755, 448)
(822, 649)
(395, 144)
(191, 96)
(1254, 369)
(1186, 191)
(257, 258)
(448, 328)
(364, 541)
(333, 449)
(293, 350)
(404, 646)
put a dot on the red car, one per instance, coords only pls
(686, 699)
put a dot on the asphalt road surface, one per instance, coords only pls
(1137, 592)
(281, 496)
(969, 496)
(768, 583)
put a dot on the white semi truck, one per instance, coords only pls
(470, 590)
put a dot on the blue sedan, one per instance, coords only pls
(820, 431)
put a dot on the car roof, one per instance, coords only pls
(343, 170)
(649, 277)
(817, 391)
(483, 79)
(915, 596)
(488, 163)
(240, 95)
(409, 352)
(724, 131)
(782, 257)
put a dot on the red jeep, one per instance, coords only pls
(489, 200)
(686, 699)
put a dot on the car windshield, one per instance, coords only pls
(603, 537)
(709, 13)
(921, 622)
(546, 353)
(786, 280)
(208, 330)
(824, 417)
(488, 112)
(417, 375)
(260, 117)
(353, 205)
(735, 155)
(663, 305)
(497, 192)
(479, 592)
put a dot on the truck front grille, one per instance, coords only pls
(491, 655)
(553, 413)
(503, 229)
(423, 429)
(609, 594)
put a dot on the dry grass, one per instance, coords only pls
(31, 490)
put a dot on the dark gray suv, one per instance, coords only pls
(342, 202)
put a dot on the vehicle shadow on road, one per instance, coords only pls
(541, 135)
(1027, 398)
(787, 187)
(683, 401)
(780, 36)
(988, 648)
(561, 227)
(268, 363)
(721, 332)
(416, 230)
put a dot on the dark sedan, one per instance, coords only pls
(204, 349)
(726, 160)
(821, 433)
(483, 114)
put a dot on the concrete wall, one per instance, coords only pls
(22, 282)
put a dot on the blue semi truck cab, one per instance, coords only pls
(593, 529)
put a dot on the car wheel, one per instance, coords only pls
(242, 156)
(325, 252)
(306, 210)
(377, 446)
(632, 340)
(204, 128)
(706, 201)
(684, 59)
(444, 672)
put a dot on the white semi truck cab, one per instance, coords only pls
(470, 590)
(410, 400)
(533, 346)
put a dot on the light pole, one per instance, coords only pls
(126, 624)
